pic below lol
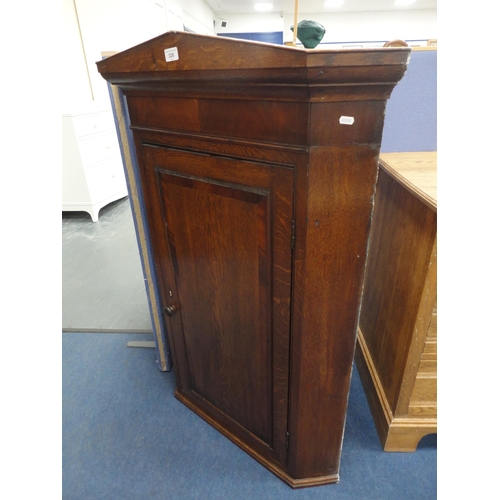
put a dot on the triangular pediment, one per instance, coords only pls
(182, 51)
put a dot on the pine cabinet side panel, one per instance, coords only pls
(401, 241)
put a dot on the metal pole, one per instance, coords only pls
(295, 23)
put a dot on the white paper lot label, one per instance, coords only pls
(171, 54)
(346, 120)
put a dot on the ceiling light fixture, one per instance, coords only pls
(263, 7)
(334, 3)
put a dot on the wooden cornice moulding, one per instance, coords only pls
(255, 68)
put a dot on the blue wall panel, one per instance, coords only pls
(411, 113)
(275, 37)
(164, 359)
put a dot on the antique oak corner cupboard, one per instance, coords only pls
(258, 166)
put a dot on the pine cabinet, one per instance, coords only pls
(397, 339)
(258, 166)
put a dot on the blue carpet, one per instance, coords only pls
(125, 437)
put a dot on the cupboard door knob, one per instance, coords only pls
(171, 310)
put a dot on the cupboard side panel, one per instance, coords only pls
(402, 235)
(329, 272)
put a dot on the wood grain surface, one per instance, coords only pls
(397, 332)
(416, 171)
(259, 201)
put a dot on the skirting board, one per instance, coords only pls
(395, 434)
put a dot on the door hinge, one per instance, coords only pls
(287, 440)
(293, 235)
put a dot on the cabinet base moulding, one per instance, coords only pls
(269, 465)
(396, 434)
(403, 435)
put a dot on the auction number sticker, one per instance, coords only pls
(346, 120)
(171, 54)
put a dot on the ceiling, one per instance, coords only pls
(309, 6)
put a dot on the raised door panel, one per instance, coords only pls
(223, 235)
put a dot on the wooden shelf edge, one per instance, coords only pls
(401, 179)
(433, 47)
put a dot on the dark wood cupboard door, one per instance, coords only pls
(222, 231)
